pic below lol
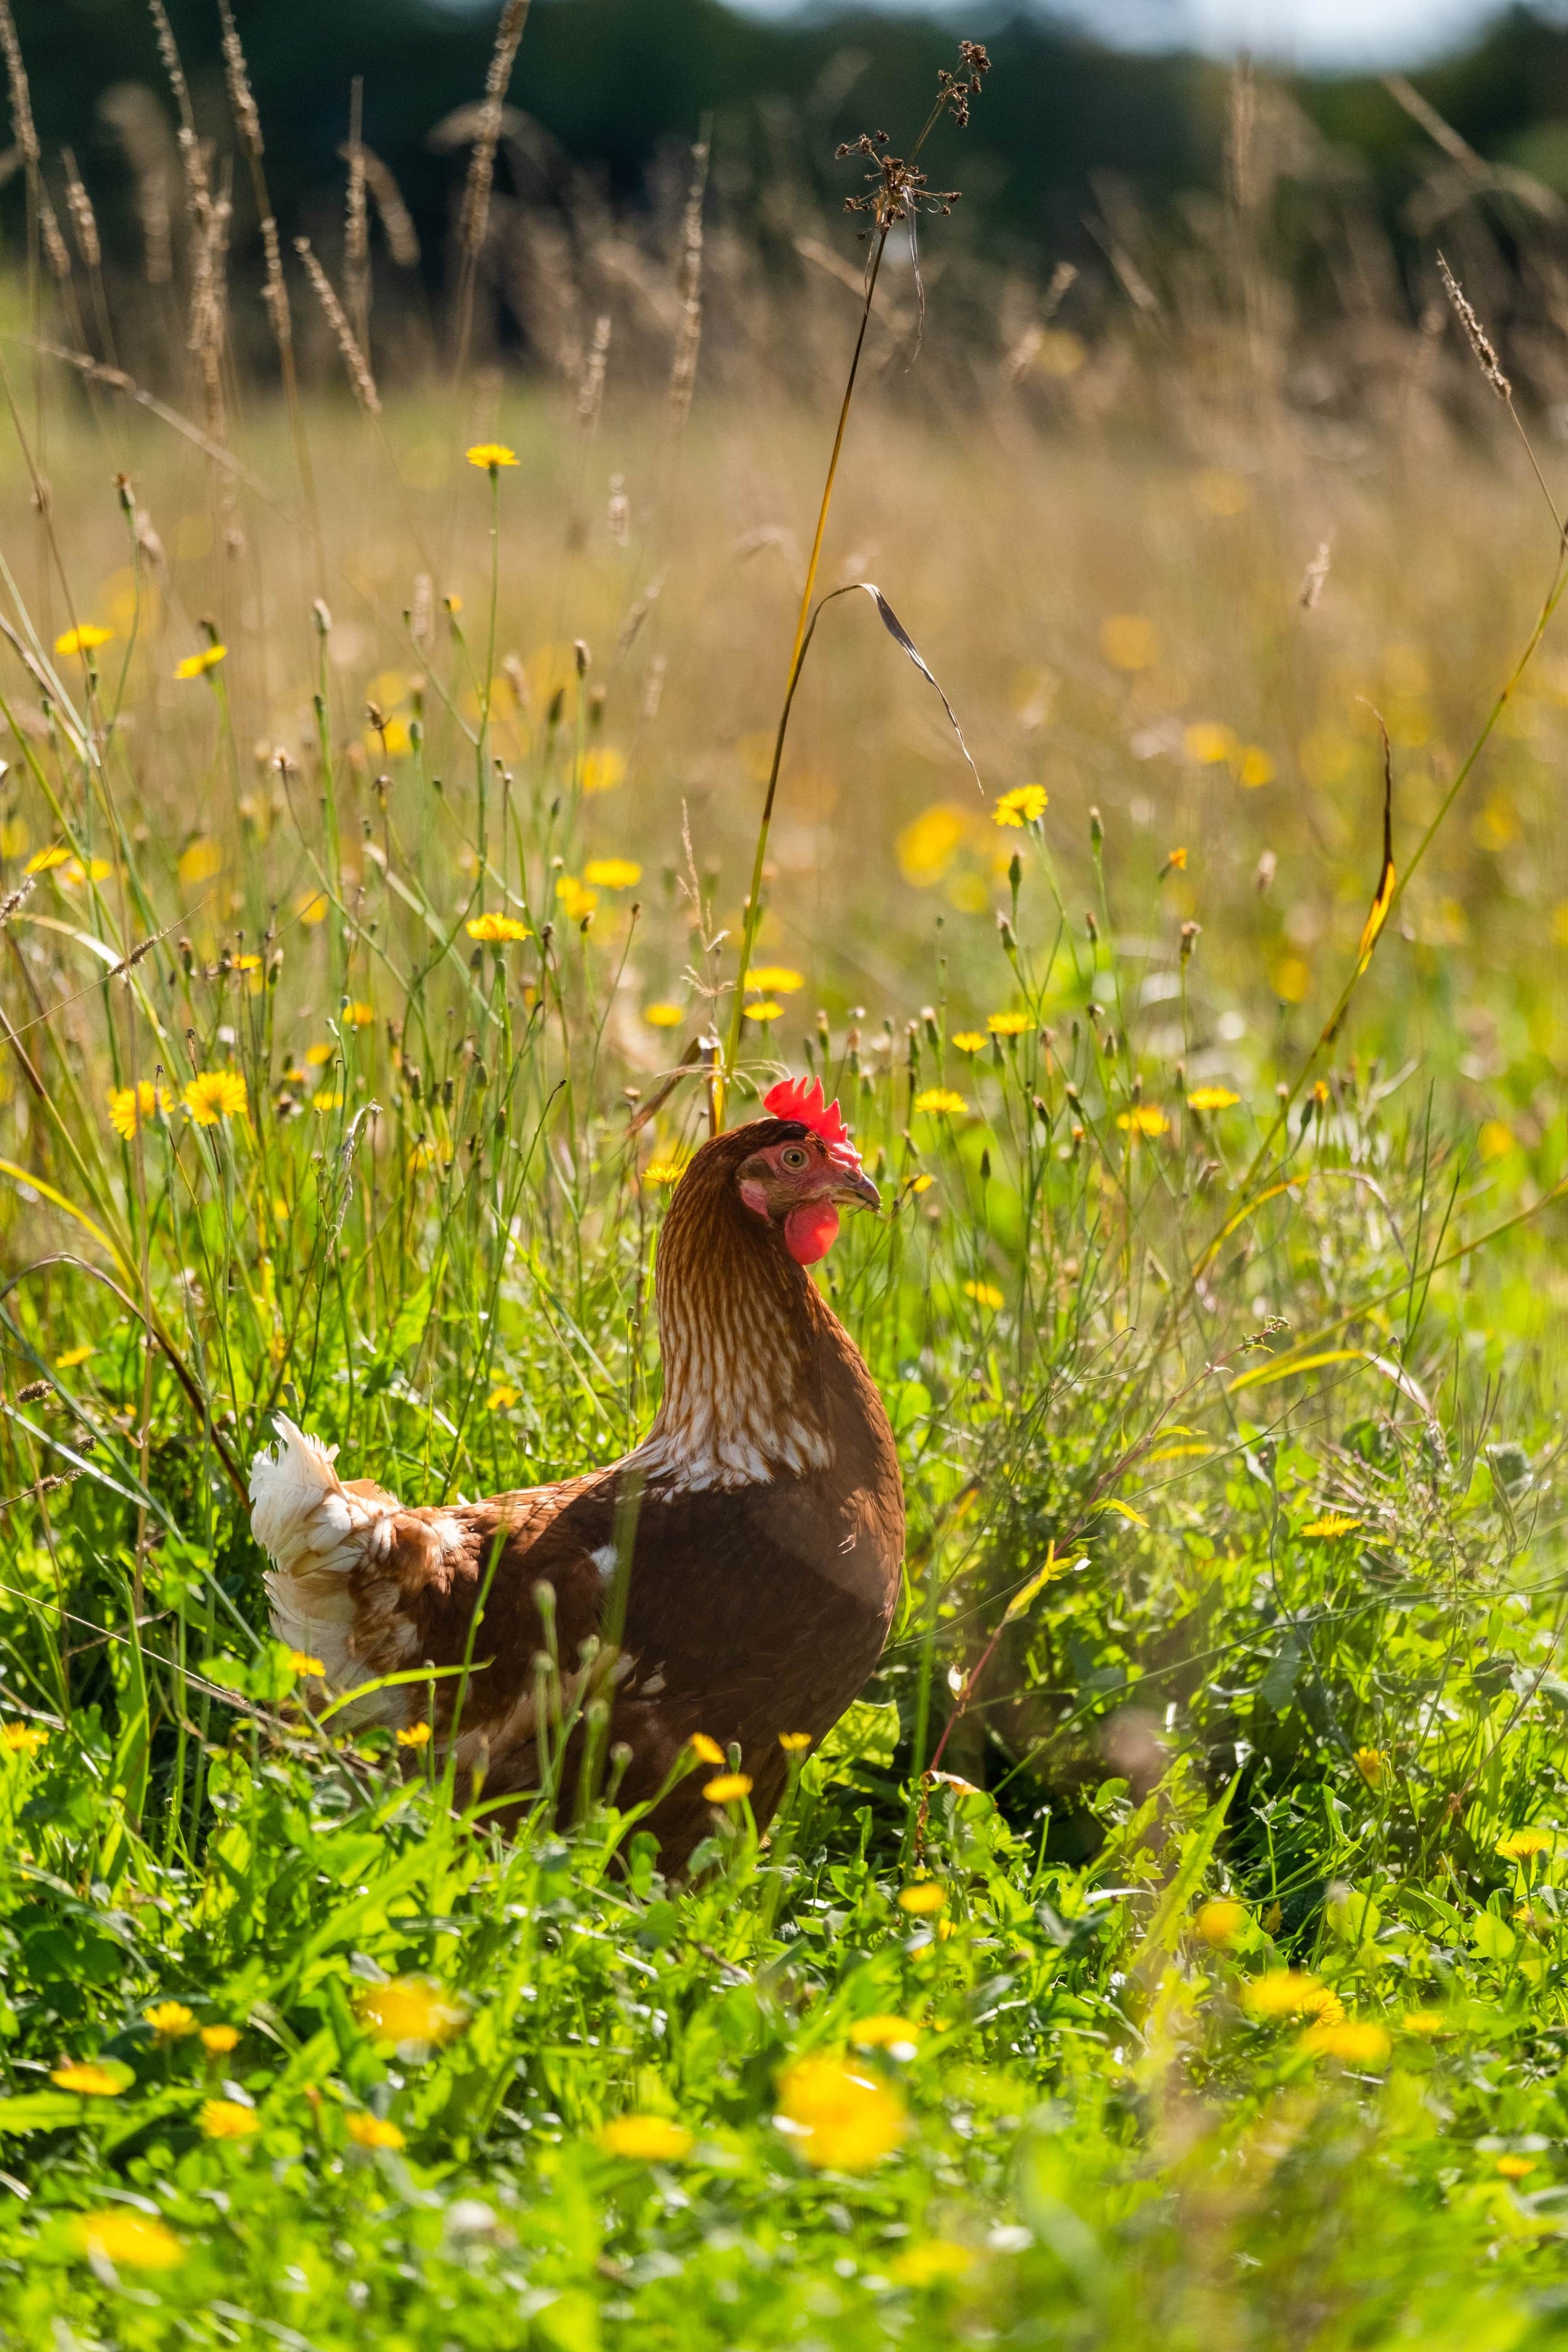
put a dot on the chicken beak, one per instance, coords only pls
(854, 1184)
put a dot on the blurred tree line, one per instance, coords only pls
(609, 84)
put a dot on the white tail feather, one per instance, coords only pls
(315, 1532)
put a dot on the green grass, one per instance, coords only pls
(1254, 1432)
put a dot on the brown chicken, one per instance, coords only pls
(763, 1516)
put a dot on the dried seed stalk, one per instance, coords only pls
(1476, 334)
(396, 220)
(356, 222)
(354, 359)
(688, 334)
(209, 307)
(591, 392)
(198, 190)
(84, 221)
(474, 219)
(21, 96)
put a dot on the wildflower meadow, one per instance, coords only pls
(405, 865)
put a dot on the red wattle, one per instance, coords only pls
(810, 1231)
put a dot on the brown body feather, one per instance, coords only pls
(766, 1519)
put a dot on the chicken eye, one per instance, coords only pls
(791, 1156)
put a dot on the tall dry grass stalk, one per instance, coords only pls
(396, 220)
(688, 333)
(897, 194)
(356, 223)
(474, 216)
(354, 360)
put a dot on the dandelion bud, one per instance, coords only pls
(1042, 1110)
(127, 495)
(1282, 1091)
(1096, 829)
(580, 649)
(1090, 926)
(1014, 872)
(323, 618)
(1189, 939)
(188, 957)
(1072, 1093)
(1268, 866)
(557, 704)
(1009, 942)
(985, 1166)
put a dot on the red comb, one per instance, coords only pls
(802, 1098)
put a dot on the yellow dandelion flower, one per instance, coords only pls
(247, 963)
(837, 2118)
(647, 2139)
(1523, 1846)
(794, 1743)
(659, 1172)
(302, 1663)
(1128, 641)
(1426, 2022)
(1335, 1525)
(775, 980)
(1143, 1119)
(928, 2264)
(217, 2040)
(1025, 804)
(129, 2240)
(502, 1398)
(85, 640)
(327, 1098)
(227, 2119)
(1517, 2167)
(1357, 2040)
(198, 665)
(416, 1735)
(768, 1010)
(489, 457)
(22, 1739)
(357, 1016)
(576, 901)
(96, 869)
(497, 928)
(44, 861)
(88, 2080)
(1369, 1763)
(1008, 1025)
(410, 2010)
(968, 1041)
(603, 770)
(663, 1017)
(1212, 1098)
(922, 1184)
(215, 1095)
(1208, 744)
(985, 1294)
(885, 2032)
(198, 861)
(1495, 1141)
(613, 873)
(1254, 766)
(706, 1751)
(374, 2131)
(317, 1056)
(72, 1358)
(924, 1898)
(170, 2021)
(727, 1788)
(1177, 858)
(1324, 2005)
(311, 905)
(1283, 1993)
(941, 1102)
(1221, 1918)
